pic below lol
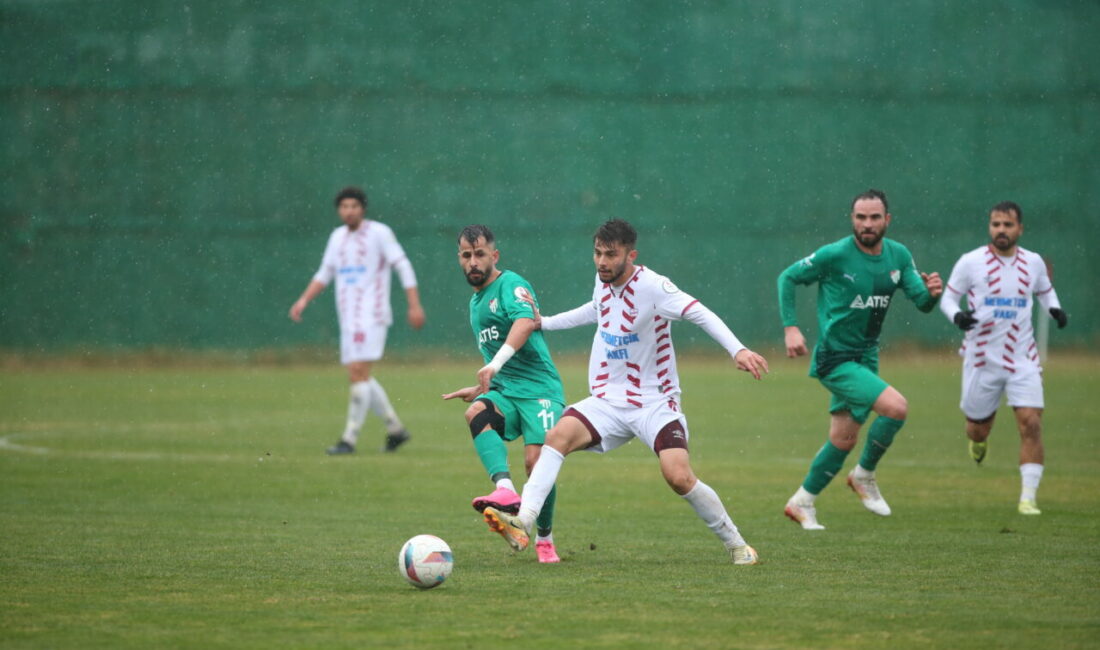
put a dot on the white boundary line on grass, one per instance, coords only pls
(7, 443)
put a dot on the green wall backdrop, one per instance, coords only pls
(168, 167)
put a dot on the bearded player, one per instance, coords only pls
(635, 390)
(360, 256)
(519, 391)
(856, 278)
(999, 281)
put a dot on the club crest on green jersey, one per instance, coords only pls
(895, 275)
(493, 305)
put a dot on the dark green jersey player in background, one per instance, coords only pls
(519, 391)
(856, 279)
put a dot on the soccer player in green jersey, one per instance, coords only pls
(856, 278)
(519, 391)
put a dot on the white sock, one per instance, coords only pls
(506, 483)
(1030, 475)
(358, 402)
(710, 509)
(380, 404)
(859, 472)
(539, 484)
(804, 497)
(547, 538)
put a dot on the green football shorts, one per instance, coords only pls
(854, 387)
(530, 418)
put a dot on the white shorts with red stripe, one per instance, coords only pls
(362, 343)
(660, 425)
(983, 386)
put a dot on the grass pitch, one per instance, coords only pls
(195, 508)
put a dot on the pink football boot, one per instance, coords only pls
(502, 499)
(546, 552)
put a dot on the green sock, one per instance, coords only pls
(825, 466)
(545, 522)
(879, 438)
(492, 452)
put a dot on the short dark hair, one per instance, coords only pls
(474, 232)
(1009, 207)
(351, 192)
(873, 194)
(616, 231)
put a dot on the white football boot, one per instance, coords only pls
(803, 515)
(744, 555)
(867, 489)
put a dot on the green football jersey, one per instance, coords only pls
(530, 373)
(854, 290)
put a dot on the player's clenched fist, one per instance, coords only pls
(751, 362)
(795, 342)
(933, 282)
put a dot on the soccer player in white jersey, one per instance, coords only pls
(360, 256)
(999, 355)
(635, 391)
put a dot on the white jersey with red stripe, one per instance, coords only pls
(633, 363)
(1000, 291)
(361, 261)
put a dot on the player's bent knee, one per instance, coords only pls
(473, 410)
(484, 418)
(676, 469)
(679, 477)
(892, 404)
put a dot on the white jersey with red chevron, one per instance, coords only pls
(1000, 290)
(633, 363)
(361, 261)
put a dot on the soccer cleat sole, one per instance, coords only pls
(502, 528)
(481, 504)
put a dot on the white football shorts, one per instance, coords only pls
(362, 343)
(660, 425)
(982, 389)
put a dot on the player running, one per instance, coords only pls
(519, 391)
(999, 356)
(856, 277)
(635, 391)
(359, 255)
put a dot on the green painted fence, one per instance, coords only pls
(169, 167)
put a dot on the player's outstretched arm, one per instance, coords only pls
(521, 330)
(465, 394)
(717, 329)
(312, 290)
(577, 317)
